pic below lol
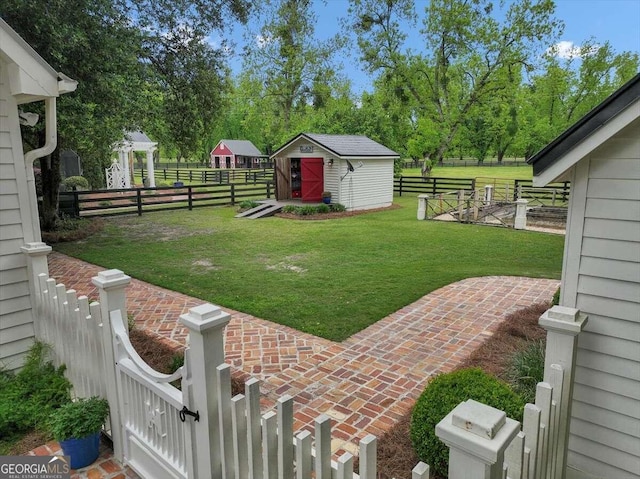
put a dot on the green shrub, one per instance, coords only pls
(556, 298)
(307, 210)
(443, 393)
(28, 397)
(526, 370)
(323, 208)
(337, 207)
(289, 209)
(79, 418)
(79, 182)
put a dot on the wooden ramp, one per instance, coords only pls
(261, 211)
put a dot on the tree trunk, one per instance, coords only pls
(50, 173)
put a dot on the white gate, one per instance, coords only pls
(115, 177)
(156, 436)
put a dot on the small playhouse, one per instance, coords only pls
(357, 171)
(231, 154)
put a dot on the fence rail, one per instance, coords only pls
(431, 185)
(209, 176)
(142, 200)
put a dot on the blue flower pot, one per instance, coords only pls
(326, 201)
(83, 451)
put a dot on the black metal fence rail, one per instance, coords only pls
(432, 185)
(164, 198)
(211, 176)
(193, 165)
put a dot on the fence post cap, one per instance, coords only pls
(205, 316)
(423, 196)
(111, 278)
(563, 320)
(36, 249)
(521, 201)
(479, 430)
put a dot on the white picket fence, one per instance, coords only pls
(152, 423)
(200, 431)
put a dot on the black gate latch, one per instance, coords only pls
(185, 411)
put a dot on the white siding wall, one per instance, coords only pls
(16, 322)
(369, 186)
(602, 278)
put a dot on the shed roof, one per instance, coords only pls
(345, 146)
(588, 125)
(241, 147)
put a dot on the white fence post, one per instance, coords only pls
(563, 326)
(206, 324)
(36, 264)
(520, 221)
(477, 436)
(422, 206)
(488, 194)
(111, 285)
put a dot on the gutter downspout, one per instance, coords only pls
(51, 141)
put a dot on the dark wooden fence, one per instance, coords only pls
(141, 200)
(209, 176)
(432, 185)
(467, 162)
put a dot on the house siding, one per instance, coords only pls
(369, 186)
(16, 320)
(602, 278)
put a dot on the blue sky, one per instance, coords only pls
(615, 21)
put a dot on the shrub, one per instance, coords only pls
(307, 210)
(79, 182)
(29, 396)
(443, 393)
(289, 209)
(323, 208)
(556, 298)
(526, 370)
(337, 207)
(79, 418)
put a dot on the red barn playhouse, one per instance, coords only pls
(357, 171)
(231, 154)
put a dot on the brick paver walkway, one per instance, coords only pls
(365, 383)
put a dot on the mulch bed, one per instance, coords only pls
(334, 215)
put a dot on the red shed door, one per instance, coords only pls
(311, 170)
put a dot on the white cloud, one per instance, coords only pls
(262, 40)
(569, 50)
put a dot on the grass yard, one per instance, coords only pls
(506, 172)
(330, 278)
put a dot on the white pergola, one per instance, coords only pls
(136, 141)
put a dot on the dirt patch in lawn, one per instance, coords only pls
(396, 457)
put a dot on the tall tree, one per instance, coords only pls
(132, 59)
(467, 45)
(292, 65)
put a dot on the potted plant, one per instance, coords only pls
(326, 197)
(76, 425)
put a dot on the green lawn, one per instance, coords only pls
(330, 278)
(505, 172)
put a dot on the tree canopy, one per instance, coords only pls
(484, 81)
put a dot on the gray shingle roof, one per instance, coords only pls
(242, 147)
(350, 145)
(137, 137)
